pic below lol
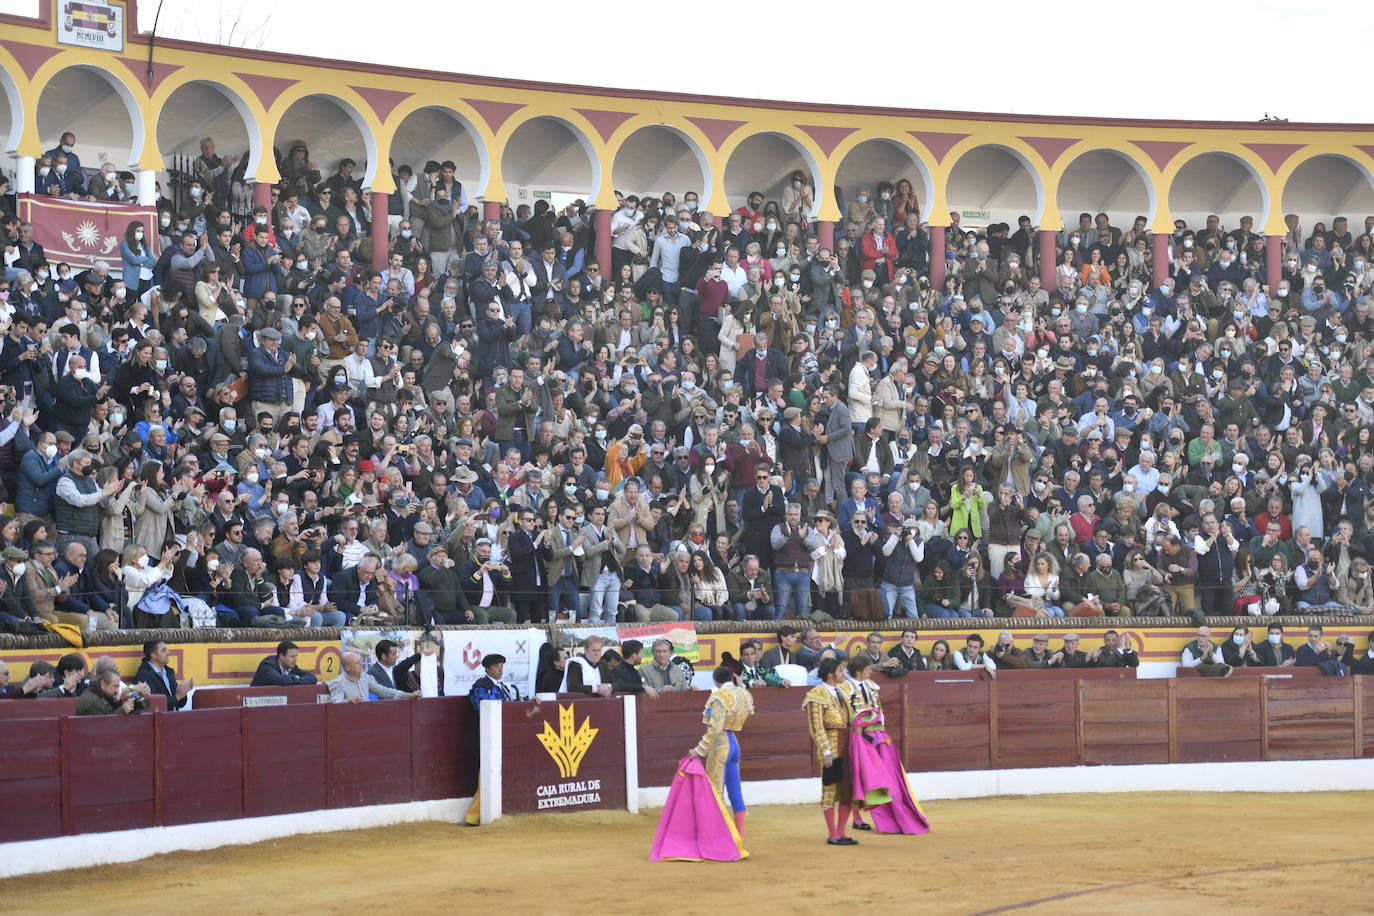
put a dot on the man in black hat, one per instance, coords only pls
(489, 686)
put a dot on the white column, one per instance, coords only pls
(23, 174)
(631, 755)
(489, 753)
(146, 183)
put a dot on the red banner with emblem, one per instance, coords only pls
(83, 233)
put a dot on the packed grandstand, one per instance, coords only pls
(297, 401)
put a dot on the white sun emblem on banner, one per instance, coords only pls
(88, 235)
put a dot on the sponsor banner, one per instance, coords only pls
(572, 756)
(364, 642)
(572, 638)
(90, 24)
(464, 650)
(84, 232)
(683, 636)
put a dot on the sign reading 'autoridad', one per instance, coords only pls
(572, 755)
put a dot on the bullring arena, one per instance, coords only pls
(1132, 786)
(1046, 793)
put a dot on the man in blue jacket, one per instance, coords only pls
(363, 305)
(38, 474)
(262, 269)
(161, 677)
(269, 375)
(280, 670)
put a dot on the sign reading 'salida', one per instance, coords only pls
(570, 756)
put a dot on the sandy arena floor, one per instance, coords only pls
(1099, 854)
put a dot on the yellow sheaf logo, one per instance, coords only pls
(568, 745)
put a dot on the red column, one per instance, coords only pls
(491, 209)
(937, 257)
(603, 240)
(1160, 266)
(262, 194)
(1047, 257)
(1273, 262)
(825, 233)
(381, 239)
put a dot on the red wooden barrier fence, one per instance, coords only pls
(99, 773)
(75, 775)
(966, 723)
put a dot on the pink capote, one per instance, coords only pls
(877, 772)
(695, 826)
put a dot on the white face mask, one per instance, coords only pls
(212, 565)
(142, 562)
(251, 477)
(49, 451)
(19, 569)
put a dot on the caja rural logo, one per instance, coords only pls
(568, 745)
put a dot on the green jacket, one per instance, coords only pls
(1111, 588)
(931, 592)
(509, 410)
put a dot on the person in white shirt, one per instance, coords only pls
(972, 656)
(860, 388)
(362, 378)
(733, 273)
(388, 654)
(355, 685)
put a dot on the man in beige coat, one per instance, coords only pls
(888, 405)
(1013, 455)
(630, 517)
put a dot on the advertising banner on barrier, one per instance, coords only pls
(84, 232)
(464, 649)
(683, 636)
(571, 756)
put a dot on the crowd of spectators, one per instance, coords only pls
(246, 425)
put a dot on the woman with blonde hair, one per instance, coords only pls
(1042, 583)
(402, 584)
(140, 574)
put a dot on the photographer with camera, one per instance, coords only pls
(107, 696)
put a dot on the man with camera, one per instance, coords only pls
(107, 696)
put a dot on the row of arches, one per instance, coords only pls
(554, 155)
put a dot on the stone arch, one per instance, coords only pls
(329, 144)
(1221, 182)
(12, 112)
(1328, 185)
(996, 178)
(875, 159)
(1104, 180)
(775, 156)
(428, 132)
(538, 156)
(661, 157)
(100, 130)
(232, 135)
